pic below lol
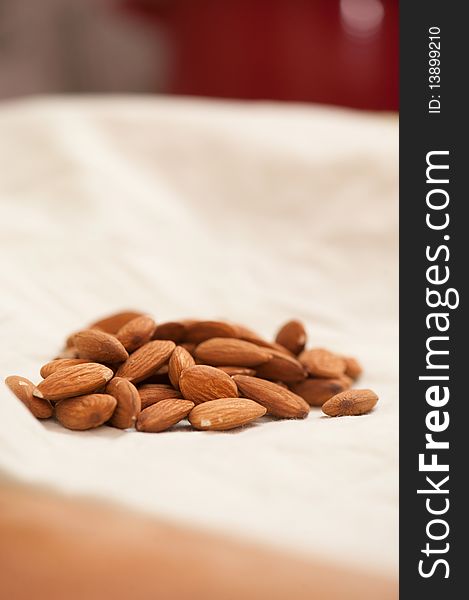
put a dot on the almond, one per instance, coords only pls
(350, 402)
(114, 322)
(152, 393)
(202, 383)
(85, 412)
(225, 413)
(231, 351)
(237, 371)
(23, 390)
(60, 363)
(136, 332)
(292, 336)
(322, 363)
(172, 330)
(317, 391)
(200, 331)
(73, 381)
(180, 360)
(278, 401)
(281, 367)
(99, 346)
(163, 415)
(146, 360)
(353, 368)
(128, 402)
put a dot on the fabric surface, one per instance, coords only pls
(252, 212)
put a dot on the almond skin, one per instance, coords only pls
(136, 332)
(292, 336)
(152, 393)
(163, 415)
(353, 368)
(202, 383)
(278, 401)
(114, 322)
(322, 363)
(60, 363)
(85, 412)
(225, 413)
(317, 391)
(350, 402)
(23, 390)
(128, 402)
(281, 368)
(172, 330)
(237, 371)
(230, 351)
(200, 331)
(180, 360)
(99, 346)
(146, 360)
(73, 381)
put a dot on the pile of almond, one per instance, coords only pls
(127, 371)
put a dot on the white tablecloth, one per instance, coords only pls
(253, 212)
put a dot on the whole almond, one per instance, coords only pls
(99, 346)
(60, 363)
(136, 332)
(237, 371)
(163, 415)
(225, 413)
(281, 367)
(152, 393)
(230, 351)
(112, 323)
(172, 330)
(200, 331)
(322, 363)
(73, 381)
(23, 390)
(278, 401)
(292, 336)
(350, 402)
(317, 391)
(353, 368)
(128, 402)
(85, 412)
(146, 360)
(180, 360)
(202, 383)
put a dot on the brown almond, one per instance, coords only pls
(292, 336)
(278, 401)
(353, 368)
(152, 393)
(172, 330)
(282, 368)
(114, 322)
(225, 413)
(146, 360)
(73, 381)
(230, 370)
(136, 332)
(350, 402)
(128, 402)
(180, 360)
(317, 391)
(99, 346)
(23, 390)
(163, 415)
(200, 331)
(202, 383)
(322, 363)
(60, 363)
(231, 351)
(85, 412)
